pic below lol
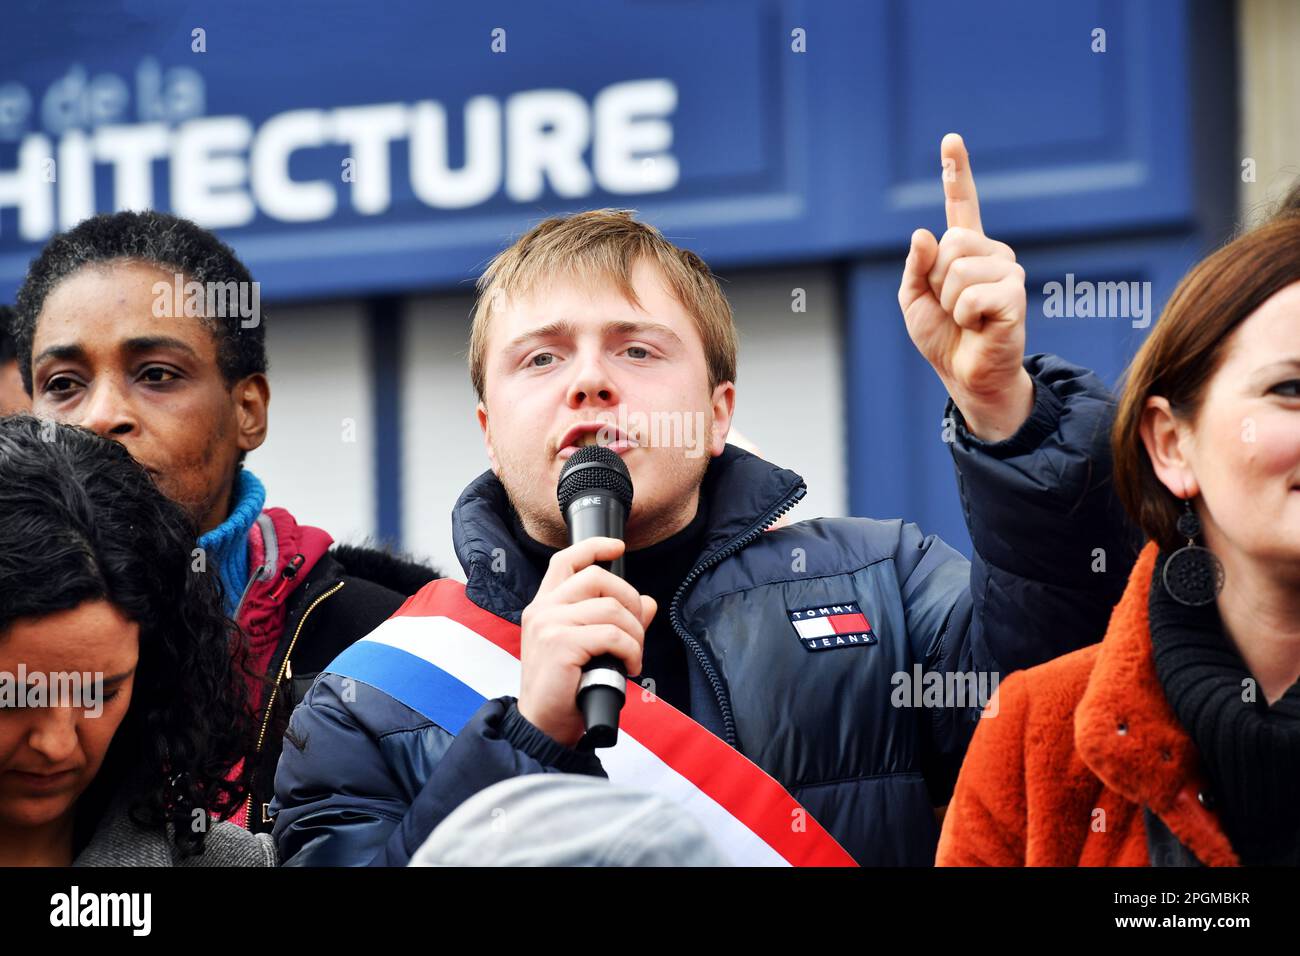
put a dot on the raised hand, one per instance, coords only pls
(963, 299)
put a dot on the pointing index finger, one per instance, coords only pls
(959, 198)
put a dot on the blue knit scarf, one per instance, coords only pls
(226, 545)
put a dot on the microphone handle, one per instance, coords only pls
(603, 687)
(598, 515)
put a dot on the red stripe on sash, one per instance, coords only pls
(731, 779)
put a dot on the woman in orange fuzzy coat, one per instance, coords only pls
(1176, 740)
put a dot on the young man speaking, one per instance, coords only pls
(791, 748)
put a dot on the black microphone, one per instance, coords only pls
(595, 494)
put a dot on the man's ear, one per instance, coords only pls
(252, 396)
(482, 414)
(724, 407)
(1165, 436)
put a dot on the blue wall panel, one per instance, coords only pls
(899, 464)
(782, 156)
(1085, 160)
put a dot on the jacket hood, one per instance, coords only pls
(393, 571)
(275, 541)
(740, 491)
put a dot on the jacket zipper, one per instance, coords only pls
(674, 611)
(275, 688)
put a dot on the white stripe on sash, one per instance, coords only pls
(493, 672)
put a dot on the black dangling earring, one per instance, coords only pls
(1193, 575)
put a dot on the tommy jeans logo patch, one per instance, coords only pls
(832, 625)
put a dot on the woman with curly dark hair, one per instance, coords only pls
(108, 337)
(122, 710)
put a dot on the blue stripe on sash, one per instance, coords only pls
(425, 688)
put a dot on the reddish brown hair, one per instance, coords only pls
(1186, 348)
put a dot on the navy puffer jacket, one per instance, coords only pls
(838, 727)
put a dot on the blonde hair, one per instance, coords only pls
(602, 246)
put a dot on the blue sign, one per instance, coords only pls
(346, 148)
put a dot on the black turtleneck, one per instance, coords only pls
(1250, 751)
(657, 572)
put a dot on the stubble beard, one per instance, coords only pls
(540, 515)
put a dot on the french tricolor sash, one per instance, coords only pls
(443, 656)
